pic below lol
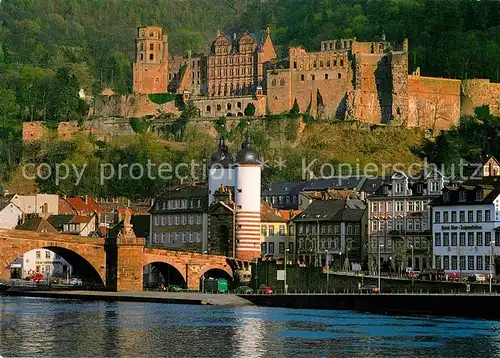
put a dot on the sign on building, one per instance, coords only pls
(280, 275)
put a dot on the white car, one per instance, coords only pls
(75, 281)
(480, 277)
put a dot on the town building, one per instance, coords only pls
(333, 230)
(466, 227)
(179, 219)
(41, 204)
(10, 214)
(399, 219)
(275, 236)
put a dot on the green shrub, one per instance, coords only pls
(161, 98)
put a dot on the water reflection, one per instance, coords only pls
(49, 327)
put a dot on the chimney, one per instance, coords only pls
(86, 198)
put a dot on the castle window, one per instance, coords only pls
(314, 64)
(151, 56)
(328, 63)
(335, 62)
(340, 75)
(302, 77)
(295, 64)
(321, 63)
(151, 47)
(238, 104)
(282, 82)
(209, 109)
(151, 34)
(341, 62)
(326, 76)
(229, 106)
(142, 56)
(157, 80)
(219, 107)
(313, 77)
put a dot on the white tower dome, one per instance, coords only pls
(220, 170)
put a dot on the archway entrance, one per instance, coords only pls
(215, 274)
(158, 273)
(56, 265)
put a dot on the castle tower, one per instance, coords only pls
(150, 69)
(220, 170)
(247, 198)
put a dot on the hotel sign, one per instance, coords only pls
(461, 227)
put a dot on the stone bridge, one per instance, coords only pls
(112, 264)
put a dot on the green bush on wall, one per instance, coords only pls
(160, 98)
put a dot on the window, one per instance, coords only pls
(349, 229)
(326, 76)
(462, 216)
(453, 216)
(263, 230)
(302, 77)
(290, 247)
(163, 220)
(462, 239)
(177, 220)
(47, 254)
(157, 220)
(470, 239)
(437, 239)
(453, 239)
(281, 247)
(437, 217)
(411, 206)
(497, 238)
(399, 206)
(155, 237)
(446, 196)
(487, 238)
(479, 216)
(445, 216)
(282, 82)
(438, 262)
(282, 230)
(479, 194)
(446, 262)
(271, 248)
(271, 230)
(446, 239)
(340, 75)
(479, 239)
(151, 47)
(462, 196)
(336, 229)
(151, 56)
(487, 262)
(184, 219)
(170, 220)
(470, 263)
(487, 215)
(263, 248)
(454, 263)
(479, 262)
(301, 229)
(462, 262)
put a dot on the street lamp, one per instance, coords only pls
(491, 262)
(412, 261)
(327, 270)
(379, 247)
(203, 277)
(284, 281)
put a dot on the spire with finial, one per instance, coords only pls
(268, 31)
(383, 36)
(218, 33)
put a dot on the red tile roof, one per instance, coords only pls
(289, 214)
(85, 205)
(65, 208)
(81, 219)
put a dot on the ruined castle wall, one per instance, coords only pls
(149, 78)
(434, 103)
(399, 74)
(279, 91)
(233, 106)
(477, 93)
(129, 105)
(373, 89)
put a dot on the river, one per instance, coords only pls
(49, 327)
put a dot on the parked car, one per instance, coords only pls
(369, 289)
(477, 278)
(244, 290)
(174, 288)
(453, 277)
(75, 281)
(36, 277)
(432, 275)
(268, 290)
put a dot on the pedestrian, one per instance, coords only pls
(467, 288)
(359, 285)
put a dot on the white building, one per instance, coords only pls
(465, 226)
(42, 204)
(45, 262)
(10, 215)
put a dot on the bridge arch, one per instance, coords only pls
(86, 255)
(161, 272)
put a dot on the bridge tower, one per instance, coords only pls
(220, 171)
(247, 197)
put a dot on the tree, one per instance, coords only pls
(8, 103)
(294, 112)
(64, 95)
(250, 110)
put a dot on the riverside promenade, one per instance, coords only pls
(192, 298)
